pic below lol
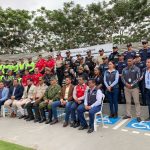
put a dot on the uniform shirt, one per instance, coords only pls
(100, 59)
(131, 75)
(120, 65)
(144, 54)
(114, 56)
(141, 65)
(103, 67)
(129, 54)
(52, 93)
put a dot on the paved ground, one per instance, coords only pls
(45, 137)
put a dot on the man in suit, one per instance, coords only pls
(15, 94)
(26, 98)
(66, 100)
(3, 93)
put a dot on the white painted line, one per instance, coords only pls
(135, 132)
(120, 124)
(124, 130)
(147, 134)
(105, 127)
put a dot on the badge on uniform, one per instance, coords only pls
(129, 80)
(109, 82)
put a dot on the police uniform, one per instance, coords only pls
(129, 54)
(144, 54)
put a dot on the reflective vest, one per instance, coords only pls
(30, 66)
(15, 68)
(22, 66)
(80, 90)
(1, 78)
(1, 67)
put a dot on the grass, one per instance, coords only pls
(10, 146)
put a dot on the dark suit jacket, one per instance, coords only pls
(70, 94)
(18, 92)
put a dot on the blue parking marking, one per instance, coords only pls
(143, 125)
(107, 120)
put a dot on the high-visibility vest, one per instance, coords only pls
(1, 78)
(22, 66)
(31, 66)
(15, 68)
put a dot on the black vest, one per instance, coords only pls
(91, 97)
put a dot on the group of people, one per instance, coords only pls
(77, 85)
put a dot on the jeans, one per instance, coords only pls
(113, 100)
(74, 107)
(148, 99)
(1, 103)
(81, 109)
(67, 109)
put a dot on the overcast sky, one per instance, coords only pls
(35, 4)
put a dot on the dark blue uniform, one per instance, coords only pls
(129, 54)
(103, 68)
(142, 65)
(144, 54)
(120, 66)
(114, 57)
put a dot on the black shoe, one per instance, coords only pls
(21, 117)
(116, 115)
(72, 124)
(77, 124)
(30, 119)
(126, 117)
(36, 120)
(90, 130)
(65, 124)
(82, 128)
(139, 119)
(42, 120)
(54, 121)
(48, 121)
(26, 117)
(111, 116)
(148, 119)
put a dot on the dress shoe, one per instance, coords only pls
(82, 128)
(30, 119)
(54, 121)
(21, 117)
(90, 130)
(65, 124)
(111, 116)
(42, 120)
(126, 117)
(36, 120)
(77, 124)
(72, 124)
(139, 119)
(48, 121)
(26, 117)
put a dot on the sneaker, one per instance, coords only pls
(126, 117)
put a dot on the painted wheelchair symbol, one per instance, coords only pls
(105, 119)
(141, 125)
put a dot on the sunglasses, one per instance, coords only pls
(143, 43)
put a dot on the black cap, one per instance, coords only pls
(101, 50)
(115, 46)
(67, 51)
(89, 51)
(129, 44)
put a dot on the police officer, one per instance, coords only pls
(104, 66)
(89, 61)
(130, 78)
(130, 53)
(68, 58)
(76, 64)
(141, 64)
(111, 78)
(120, 65)
(114, 55)
(145, 51)
(146, 79)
